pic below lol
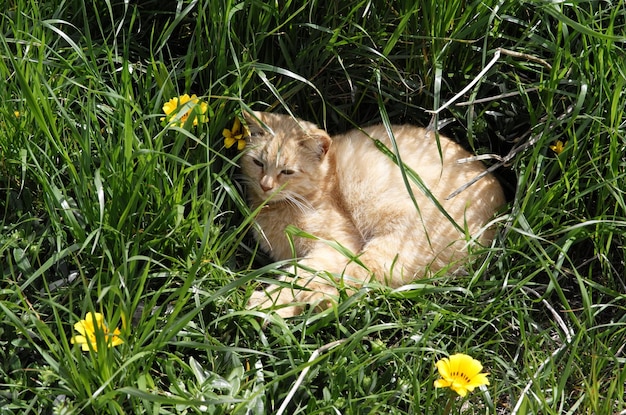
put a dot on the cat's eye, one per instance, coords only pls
(258, 162)
(287, 172)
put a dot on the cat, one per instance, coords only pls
(347, 193)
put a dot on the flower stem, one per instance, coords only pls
(448, 407)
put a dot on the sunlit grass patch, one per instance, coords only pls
(107, 209)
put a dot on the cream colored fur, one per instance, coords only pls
(345, 190)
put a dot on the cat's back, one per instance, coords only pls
(425, 152)
(433, 157)
(375, 191)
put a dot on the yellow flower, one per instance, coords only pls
(461, 373)
(237, 135)
(173, 107)
(558, 147)
(87, 329)
(17, 114)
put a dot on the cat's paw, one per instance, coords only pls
(272, 298)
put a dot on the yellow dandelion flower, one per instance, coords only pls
(461, 373)
(179, 110)
(17, 114)
(87, 328)
(237, 135)
(558, 147)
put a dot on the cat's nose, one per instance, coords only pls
(267, 183)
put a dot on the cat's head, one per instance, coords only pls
(285, 157)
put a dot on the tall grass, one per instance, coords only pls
(106, 208)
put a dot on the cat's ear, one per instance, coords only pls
(322, 142)
(254, 122)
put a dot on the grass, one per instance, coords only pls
(105, 208)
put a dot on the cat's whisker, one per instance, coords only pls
(298, 201)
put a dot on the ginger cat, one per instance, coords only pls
(346, 190)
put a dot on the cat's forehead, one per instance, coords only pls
(281, 139)
(284, 127)
(271, 149)
(278, 140)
